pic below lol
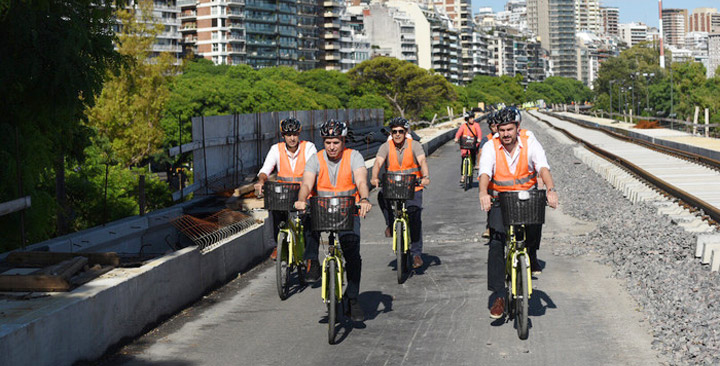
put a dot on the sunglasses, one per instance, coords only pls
(291, 134)
(398, 132)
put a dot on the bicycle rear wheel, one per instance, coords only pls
(467, 171)
(522, 298)
(401, 254)
(282, 267)
(331, 300)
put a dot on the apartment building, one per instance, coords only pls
(354, 44)
(713, 54)
(587, 16)
(554, 22)
(701, 20)
(675, 26)
(610, 17)
(308, 34)
(633, 33)
(391, 32)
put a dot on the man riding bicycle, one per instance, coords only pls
(472, 129)
(407, 157)
(338, 171)
(511, 162)
(289, 159)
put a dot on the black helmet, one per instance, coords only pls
(399, 122)
(467, 116)
(492, 118)
(333, 128)
(290, 125)
(509, 115)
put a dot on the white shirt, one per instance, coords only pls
(536, 157)
(272, 160)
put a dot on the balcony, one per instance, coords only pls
(331, 46)
(190, 40)
(181, 3)
(331, 25)
(332, 3)
(254, 4)
(236, 25)
(166, 48)
(187, 15)
(235, 14)
(187, 28)
(252, 28)
(261, 18)
(236, 51)
(261, 42)
(331, 35)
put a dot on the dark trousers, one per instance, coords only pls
(496, 250)
(473, 157)
(414, 208)
(310, 241)
(350, 245)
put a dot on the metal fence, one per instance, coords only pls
(228, 148)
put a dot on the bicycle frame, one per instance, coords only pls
(401, 215)
(515, 249)
(467, 166)
(333, 254)
(295, 234)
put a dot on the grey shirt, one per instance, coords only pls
(356, 161)
(384, 151)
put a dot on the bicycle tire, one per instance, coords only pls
(401, 255)
(467, 172)
(522, 298)
(331, 300)
(282, 267)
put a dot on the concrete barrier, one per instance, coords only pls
(63, 328)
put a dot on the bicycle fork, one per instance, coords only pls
(405, 234)
(514, 261)
(332, 256)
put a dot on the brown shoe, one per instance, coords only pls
(417, 261)
(388, 232)
(486, 234)
(273, 256)
(498, 308)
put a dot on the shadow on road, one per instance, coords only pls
(371, 302)
(428, 261)
(128, 360)
(539, 303)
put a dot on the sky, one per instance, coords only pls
(645, 11)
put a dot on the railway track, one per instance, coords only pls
(690, 178)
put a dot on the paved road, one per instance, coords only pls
(579, 315)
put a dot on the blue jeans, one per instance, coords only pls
(414, 208)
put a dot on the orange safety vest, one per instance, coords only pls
(285, 173)
(505, 181)
(408, 162)
(490, 136)
(466, 131)
(344, 185)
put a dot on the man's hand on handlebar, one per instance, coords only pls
(300, 205)
(258, 189)
(365, 207)
(552, 199)
(485, 201)
(425, 181)
(375, 182)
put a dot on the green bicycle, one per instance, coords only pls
(333, 215)
(469, 143)
(398, 188)
(518, 210)
(290, 239)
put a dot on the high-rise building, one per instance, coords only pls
(674, 26)
(330, 30)
(633, 33)
(713, 54)
(610, 17)
(354, 44)
(700, 19)
(554, 22)
(587, 16)
(308, 34)
(391, 32)
(715, 23)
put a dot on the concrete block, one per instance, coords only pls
(715, 260)
(702, 240)
(707, 250)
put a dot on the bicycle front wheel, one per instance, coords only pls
(331, 300)
(467, 171)
(522, 297)
(401, 254)
(282, 267)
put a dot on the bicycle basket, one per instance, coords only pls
(280, 196)
(468, 142)
(523, 207)
(399, 186)
(332, 213)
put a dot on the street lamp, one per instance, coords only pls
(610, 92)
(647, 90)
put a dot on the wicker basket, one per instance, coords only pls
(332, 213)
(523, 207)
(280, 196)
(468, 142)
(399, 186)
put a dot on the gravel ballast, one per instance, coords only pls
(654, 257)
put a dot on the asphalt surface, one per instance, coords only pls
(439, 316)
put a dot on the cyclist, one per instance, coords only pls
(510, 163)
(404, 156)
(339, 171)
(289, 157)
(469, 128)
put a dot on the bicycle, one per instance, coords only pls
(398, 188)
(469, 143)
(333, 215)
(290, 239)
(518, 210)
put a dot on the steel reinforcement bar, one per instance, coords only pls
(712, 213)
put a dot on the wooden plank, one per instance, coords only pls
(44, 259)
(33, 283)
(67, 269)
(89, 275)
(15, 205)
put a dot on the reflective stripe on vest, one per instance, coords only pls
(344, 185)
(408, 165)
(503, 180)
(285, 173)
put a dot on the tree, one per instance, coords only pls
(54, 56)
(407, 87)
(132, 102)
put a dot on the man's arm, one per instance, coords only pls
(271, 160)
(552, 196)
(360, 175)
(485, 199)
(308, 182)
(424, 169)
(379, 161)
